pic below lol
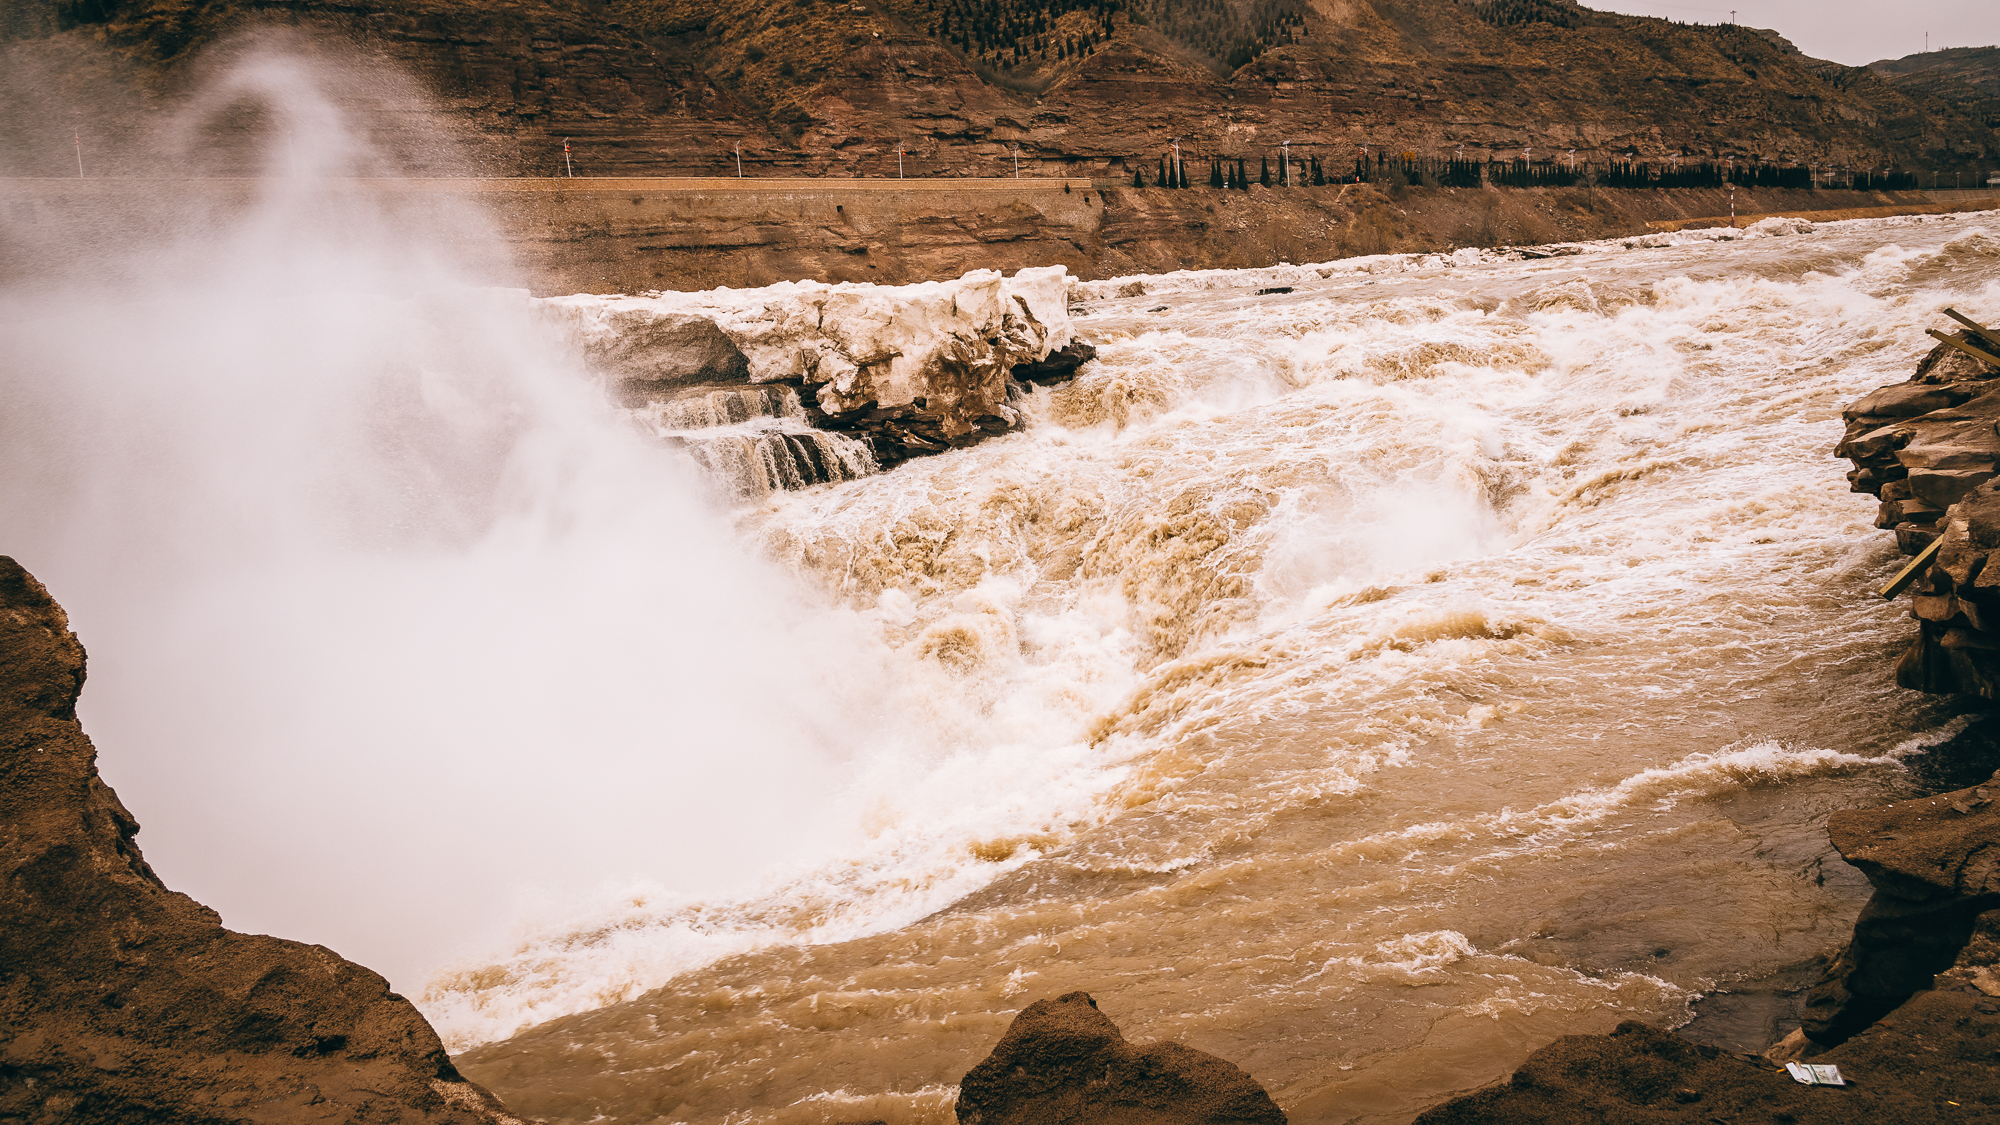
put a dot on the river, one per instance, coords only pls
(1366, 683)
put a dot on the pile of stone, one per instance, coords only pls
(1930, 450)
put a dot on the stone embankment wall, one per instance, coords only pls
(628, 235)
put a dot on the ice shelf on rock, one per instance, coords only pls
(919, 367)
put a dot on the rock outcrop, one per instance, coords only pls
(1063, 1062)
(1909, 1011)
(1930, 1061)
(1929, 450)
(1935, 866)
(908, 370)
(124, 1001)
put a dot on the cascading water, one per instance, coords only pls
(1366, 683)
(395, 622)
(755, 440)
(1376, 681)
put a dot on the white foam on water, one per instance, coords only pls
(1245, 513)
(389, 608)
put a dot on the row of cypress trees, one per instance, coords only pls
(1225, 174)
(1006, 32)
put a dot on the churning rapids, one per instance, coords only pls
(1366, 683)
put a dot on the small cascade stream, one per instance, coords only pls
(755, 439)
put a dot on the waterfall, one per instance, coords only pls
(754, 440)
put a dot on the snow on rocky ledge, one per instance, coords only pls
(921, 367)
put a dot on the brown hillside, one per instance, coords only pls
(672, 87)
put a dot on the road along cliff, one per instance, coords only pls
(639, 234)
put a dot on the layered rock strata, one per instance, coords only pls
(682, 87)
(906, 371)
(1064, 1061)
(1929, 450)
(125, 1001)
(1909, 1012)
(1935, 866)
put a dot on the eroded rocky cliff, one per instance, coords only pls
(125, 1001)
(930, 88)
(1909, 1012)
(1929, 449)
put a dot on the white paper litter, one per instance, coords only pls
(1815, 1074)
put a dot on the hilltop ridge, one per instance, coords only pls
(959, 87)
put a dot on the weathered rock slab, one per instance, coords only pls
(1063, 1062)
(1909, 1069)
(921, 368)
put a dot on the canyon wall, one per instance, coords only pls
(857, 87)
(126, 1001)
(631, 235)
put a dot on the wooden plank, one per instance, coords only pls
(1909, 573)
(1961, 345)
(1976, 328)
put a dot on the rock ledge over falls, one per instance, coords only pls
(1909, 1011)
(1929, 449)
(892, 372)
(125, 1001)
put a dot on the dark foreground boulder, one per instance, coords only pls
(1932, 1060)
(1932, 862)
(122, 1001)
(1062, 1062)
(1909, 1011)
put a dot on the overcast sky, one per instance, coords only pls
(1855, 32)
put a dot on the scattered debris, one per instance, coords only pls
(1815, 1074)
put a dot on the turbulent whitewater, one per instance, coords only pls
(1365, 683)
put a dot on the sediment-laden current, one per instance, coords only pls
(1366, 683)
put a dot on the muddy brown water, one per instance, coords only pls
(1367, 684)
